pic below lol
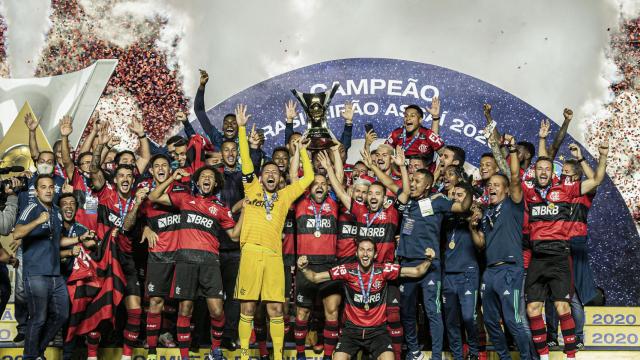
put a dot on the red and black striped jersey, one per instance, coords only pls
(202, 219)
(316, 236)
(112, 209)
(579, 212)
(382, 228)
(87, 212)
(348, 230)
(361, 311)
(550, 209)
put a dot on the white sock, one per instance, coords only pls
(544, 357)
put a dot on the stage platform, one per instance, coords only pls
(610, 333)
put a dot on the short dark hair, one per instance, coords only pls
(466, 187)
(125, 167)
(291, 136)
(416, 108)
(226, 140)
(425, 161)
(83, 154)
(426, 173)
(280, 148)
(544, 158)
(67, 195)
(361, 240)
(487, 154)
(504, 177)
(576, 166)
(528, 147)
(123, 152)
(266, 163)
(46, 152)
(378, 183)
(174, 139)
(158, 156)
(57, 143)
(229, 115)
(218, 176)
(458, 153)
(43, 176)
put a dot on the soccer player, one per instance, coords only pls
(461, 278)
(413, 137)
(421, 224)
(197, 269)
(365, 284)
(114, 202)
(261, 274)
(378, 220)
(347, 225)
(549, 205)
(317, 234)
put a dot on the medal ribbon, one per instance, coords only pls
(317, 214)
(268, 204)
(365, 293)
(404, 139)
(366, 216)
(124, 210)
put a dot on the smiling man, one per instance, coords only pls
(261, 274)
(413, 137)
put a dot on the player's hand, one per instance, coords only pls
(347, 113)
(204, 77)
(13, 261)
(150, 236)
(290, 110)
(399, 158)
(575, 151)
(31, 122)
(141, 194)
(14, 245)
(303, 262)
(509, 140)
(545, 125)
(181, 117)
(603, 149)
(366, 158)
(429, 254)
(66, 187)
(43, 217)
(476, 215)
(89, 235)
(66, 127)
(434, 110)
(136, 127)
(324, 160)
(76, 250)
(241, 115)
(369, 138)
(568, 114)
(180, 173)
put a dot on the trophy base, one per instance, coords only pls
(320, 139)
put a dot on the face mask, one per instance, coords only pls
(44, 169)
(175, 165)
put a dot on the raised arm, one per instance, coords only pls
(87, 144)
(245, 157)
(557, 141)
(420, 269)
(494, 142)
(577, 154)
(312, 276)
(198, 107)
(434, 110)
(145, 151)
(181, 118)
(22, 230)
(307, 167)
(65, 130)
(337, 163)
(294, 165)
(159, 194)
(543, 133)
(347, 132)
(476, 234)
(132, 215)
(290, 113)
(32, 124)
(515, 189)
(97, 177)
(590, 184)
(337, 187)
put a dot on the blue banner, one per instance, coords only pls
(381, 88)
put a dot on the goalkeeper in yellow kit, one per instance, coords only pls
(261, 274)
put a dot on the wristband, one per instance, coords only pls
(143, 136)
(513, 150)
(436, 118)
(581, 160)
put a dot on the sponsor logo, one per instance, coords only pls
(372, 232)
(467, 292)
(543, 210)
(115, 219)
(178, 290)
(168, 221)
(199, 220)
(324, 223)
(431, 282)
(506, 292)
(349, 230)
(358, 298)
(150, 287)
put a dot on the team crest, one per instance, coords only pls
(423, 148)
(554, 196)
(213, 210)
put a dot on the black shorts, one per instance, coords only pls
(548, 275)
(193, 280)
(393, 294)
(374, 341)
(133, 267)
(159, 277)
(307, 291)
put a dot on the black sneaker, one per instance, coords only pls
(264, 357)
(552, 343)
(580, 345)
(471, 357)
(228, 344)
(19, 340)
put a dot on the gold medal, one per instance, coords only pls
(317, 233)
(269, 217)
(552, 206)
(366, 307)
(452, 245)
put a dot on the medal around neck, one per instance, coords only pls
(315, 106)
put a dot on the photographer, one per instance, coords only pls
(9, 205)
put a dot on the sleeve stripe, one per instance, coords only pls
(26, 212)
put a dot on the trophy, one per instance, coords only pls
(315, 106)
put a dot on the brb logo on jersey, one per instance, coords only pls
(168, 221)
(349, 230)
(199, 220)
(324, 223)
(544, 210)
